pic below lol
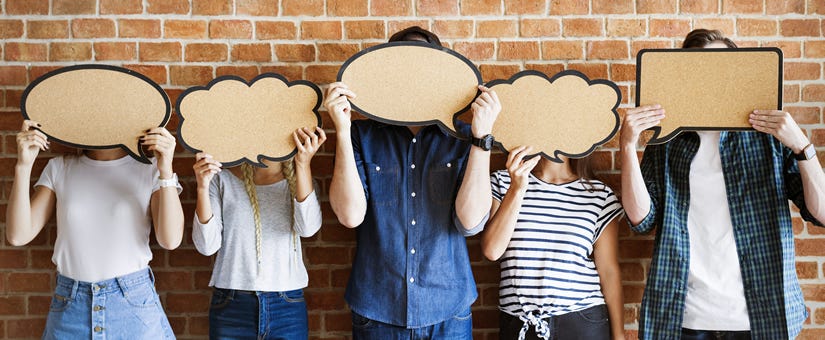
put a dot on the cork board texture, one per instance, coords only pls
(236, 122)
(96, 107)
(567, 114)
(708, 89)
(411, 83)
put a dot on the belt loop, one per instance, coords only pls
(151, 275)
(75, 284)
(122, 283)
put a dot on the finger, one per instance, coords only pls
(512, 155)
(40, 134)
(767, 117)
(313, 136)
(475, 106)
(322, 135)
(297, 141)
(646, 120)
(493, 96)
(483, 88)
(485, 97)
(28, 124)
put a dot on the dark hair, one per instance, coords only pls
(583, 167)
(415, 33)
(701, 37)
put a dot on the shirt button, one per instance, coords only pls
(412, 280)
(414, 140)
(377, 168)
(413, 194)
(98, 308)
(98, 329)
(95, 287)
(449, 165)
(412, 251)
(412, 166)
(413, 222)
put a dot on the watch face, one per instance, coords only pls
(809, 151)
(488, 142)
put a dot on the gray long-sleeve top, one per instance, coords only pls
(231, 233)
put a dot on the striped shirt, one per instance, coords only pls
(548, 268)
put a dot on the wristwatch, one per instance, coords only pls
(807, 153)
(485, 143)
(169, 182)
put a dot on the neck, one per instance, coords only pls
(556, 173)
(105, 154)
(415, 129)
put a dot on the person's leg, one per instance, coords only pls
(588, 324)
(284, 315)
(367, 329)
(455, 328)
(233, 315)
(128, 307)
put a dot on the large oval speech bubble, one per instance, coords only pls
(411, 83)
(708, 89)
(567, 114)
(96, 107)
(235, 121)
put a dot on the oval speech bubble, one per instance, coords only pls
(567, 114)
(411, 83)
(235, 121)
(96, 107)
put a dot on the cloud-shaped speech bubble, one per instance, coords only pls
(96, 107)
(567, 114)
(411, 83)
(236, 121)
(708, 89)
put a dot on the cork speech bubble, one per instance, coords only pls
(96, 107)
(708, 89)
(567, 114)
(411, 83)
(236, 122)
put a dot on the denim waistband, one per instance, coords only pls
(108, 286)
(233, 292)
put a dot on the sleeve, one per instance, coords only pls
(611, 209)
(208, 236)
(793, 186)
(652, 169)
(50, 173)
(497, 186)
(359, 161)
(307, 217)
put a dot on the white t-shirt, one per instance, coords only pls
(103, 215)
(715, 297)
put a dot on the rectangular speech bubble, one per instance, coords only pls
(708, 89)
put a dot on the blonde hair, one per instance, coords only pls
(288, 170)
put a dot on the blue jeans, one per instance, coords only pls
(455, 328)
(692, 334)
(241, 314)
(590, 324)
(126, 307)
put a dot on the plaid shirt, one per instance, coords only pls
(760, 176)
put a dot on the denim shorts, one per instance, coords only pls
(126, 307)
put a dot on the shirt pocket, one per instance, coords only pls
(442, 178)
(384, 183)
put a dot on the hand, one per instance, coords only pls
(311, 143)
(485, 111)
(637, 120)
(520, 169)
(30, 142)
(205, 168)
(781, 125)
(337, 103)
(162, 143)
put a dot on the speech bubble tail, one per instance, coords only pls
(137, 153)
(663, 134)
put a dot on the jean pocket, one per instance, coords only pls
(465, 315)
(294, 296)
(59, 303)
(360, 322)
(597, 314)
(220, 299)
(142, 296)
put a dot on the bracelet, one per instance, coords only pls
(170, 182)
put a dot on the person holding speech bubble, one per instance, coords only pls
(106, 204)
(253, 218)
(413, 193)
(723, 265)
(554, 229)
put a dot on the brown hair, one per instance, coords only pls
(413, 32)
(583, 168)
(701, 37)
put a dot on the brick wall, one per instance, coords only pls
(181, 43)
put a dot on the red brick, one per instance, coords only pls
(206, 52)
(540, 28)
(656, 6)
(518, 50)
(474, 50)
(291, 72)
(805, 114)
(802, 71)
(13, 258)
(115, 51)
(347, 8)
(11, 29)
(185, 29)
(29, 282)
(187, 302)
(497, 71)
(626, 27)
(173, 280)
(790, 93)
(567, 7)
(39, 305)
(637, 45)
(73, 7)
(756, 27)
(726, 26)
(252, 52)
(480, 7)
(321, 30)
(436, 7)
(813, 93)
(139, 28)
(698, 7)
(518, 7)
(93, 28)
(25, 328)
(121, 6)
(189, 75)
(295, 52)
(272, 30)
(548, 69)
(582, 27)
(303, 7)
(322, 74)
(257, 7)
(66, 51)
(816, 7)
(790, 49)
(496, 28)
(230, 29)
(167, 6)
(212, 7)
(623, 72)
(815, 49)
(336, 52)
(799, 28)
(338, 322)
(324, 300)
(807, 270)
(612, 6)
(156, 73)
(562, 49)
(453, 28)
(38, 71)
(163, 51)
(786, 6)
(742, 6)
(365, 29)
(676, 28)
(16, 51)
(27, 7)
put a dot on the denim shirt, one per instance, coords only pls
(411, 267)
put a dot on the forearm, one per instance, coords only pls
(203, 207)
(206, 231)
(499, 229)
(635, 197)
(474, 196)
(169, 221)
(612, 290)
(303, 181)
(19, 229)
(813, 185)
(346, 193)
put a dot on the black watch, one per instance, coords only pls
(485, 143)
(807, 153)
